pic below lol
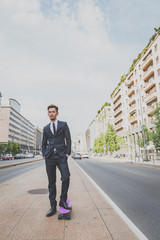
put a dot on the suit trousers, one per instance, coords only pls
(51, 164)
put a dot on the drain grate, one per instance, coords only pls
(38, 191)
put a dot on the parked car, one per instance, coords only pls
(29, 155)
(85, 155)
(17, 156)
(73, 155)
(78, 156)
(7, 157)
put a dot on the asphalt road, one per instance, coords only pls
(8, 173)
(134, 189)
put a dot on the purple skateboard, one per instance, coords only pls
(65, 213)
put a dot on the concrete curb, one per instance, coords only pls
(20, 163)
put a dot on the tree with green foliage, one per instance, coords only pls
(156, 134)
(148, 137)
(9, 147)
(122, 143)
(1, 148)
(99, 144)
(15, 148)
(111, 139)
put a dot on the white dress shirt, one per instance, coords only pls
(51, 126)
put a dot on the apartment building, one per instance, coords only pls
(88, 139)
(98, 125)
(102, 120)
(135, 98)
(38, 134)
(80, 143)
(14, 127)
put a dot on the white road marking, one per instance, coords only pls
(128, 170)
(129, 223)
(134, 172)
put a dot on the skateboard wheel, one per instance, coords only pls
(59, 216)
(68, 216)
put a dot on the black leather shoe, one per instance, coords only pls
(64, 205)
(52, 211)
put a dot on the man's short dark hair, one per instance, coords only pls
(52, 106)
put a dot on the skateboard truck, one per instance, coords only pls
(65, 213)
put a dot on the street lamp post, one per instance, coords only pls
(139, 92)
(104, 136)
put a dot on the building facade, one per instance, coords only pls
(103, 119)
(135, 98)
(38, 134)
(14, 127)
(80, 143)
(98, 125)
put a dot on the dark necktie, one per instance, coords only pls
(54, 129)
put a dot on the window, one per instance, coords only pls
(157, 59)
(155, 47)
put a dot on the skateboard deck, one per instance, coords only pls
(65, 213)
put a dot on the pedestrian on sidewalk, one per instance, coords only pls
(56, 148)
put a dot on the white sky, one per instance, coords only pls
(70, 53)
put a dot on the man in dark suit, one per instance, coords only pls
(56, 148)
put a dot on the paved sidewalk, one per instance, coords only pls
(22, 214)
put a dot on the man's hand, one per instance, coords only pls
(67, 155)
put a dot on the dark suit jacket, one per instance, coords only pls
(61, 140)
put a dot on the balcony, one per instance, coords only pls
(130, 82)
(149, 71)
(147, 61)
(116, 94)
(132, 108)
(119, 126)
(131, 91)
(118, 118)
(130, 77)
(131, 99)
(118, 103)
(151, 109)
(117, 97)
(151, 96)
(148, 84)
(118, 110)
(133, 118)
